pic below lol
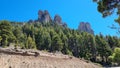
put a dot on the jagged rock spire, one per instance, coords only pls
(44, 16)
(85, 27)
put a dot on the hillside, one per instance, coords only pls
(54, 35)
(16, 58)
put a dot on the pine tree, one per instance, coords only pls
(57, 44)
(103, 48)
(0, 40)
(115, 57)
(30, 44)
(6, 33)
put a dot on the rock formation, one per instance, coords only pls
(58, 19)
(30, 21)
(64, 24)
(85, 27)
(44, 16)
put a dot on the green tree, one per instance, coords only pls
(107, 7)
(39, 38)
(57, 44)
(0, 38)
(115, 57)
(65, 44)
(6, 33)
(74, 45)
(29, 29)
(92, 47)
(103, 48)
(17, 31)
(110, 41)
(117, 41)
(30, 44)
(86, 45)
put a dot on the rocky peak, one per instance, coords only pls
(85, 27)
(57, 19)
(30, 21)
(46, 12)
(44, 16)
(64, 24)
(40, 13)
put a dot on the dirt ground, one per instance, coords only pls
(44, 60)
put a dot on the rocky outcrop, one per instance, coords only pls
(30, 21)
(21, 52)
(85, 27)
(44, 16)
(64, 24)
(57, 19)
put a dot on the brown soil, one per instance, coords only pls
(11, 59)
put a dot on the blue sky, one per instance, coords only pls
(72, 12)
